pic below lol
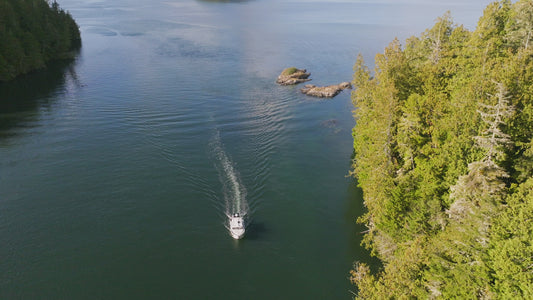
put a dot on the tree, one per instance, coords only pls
(32, 34)
(520, 26)
(510, 254)
(444, 155)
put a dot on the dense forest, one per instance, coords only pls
(444, 156)
(32, 33)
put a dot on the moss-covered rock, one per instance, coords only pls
(289, 71)
(293, 75)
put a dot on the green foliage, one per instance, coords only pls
(33, 32)
(289, 71)
(511, 250)
(444, 155)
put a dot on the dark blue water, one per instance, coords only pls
(117, 169)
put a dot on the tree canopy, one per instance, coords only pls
(444, 156)
(32, 33)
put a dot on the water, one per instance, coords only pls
(118, 169)
(234, 192)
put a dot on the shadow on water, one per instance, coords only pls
(256, 231)
(356, 209)
(22, 98)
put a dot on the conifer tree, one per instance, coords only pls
(520, 27)
(444, 156)
(32, 33)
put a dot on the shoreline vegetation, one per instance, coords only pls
(444, 156)
(33, 33)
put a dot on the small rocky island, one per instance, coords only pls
(325, 91)
(293, 75)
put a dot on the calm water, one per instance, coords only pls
(116, 170)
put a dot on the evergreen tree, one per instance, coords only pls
(32, 33)
(520, 31)
(444, 155)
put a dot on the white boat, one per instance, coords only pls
(236, 226)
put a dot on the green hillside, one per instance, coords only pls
(32, 33)
(444, 156)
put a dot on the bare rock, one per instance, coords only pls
(325, 91)
(293, 76)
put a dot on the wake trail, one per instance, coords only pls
(234, 191)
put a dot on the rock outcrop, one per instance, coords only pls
(325, 91)
(293, 76)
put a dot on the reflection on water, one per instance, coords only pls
(22, 99)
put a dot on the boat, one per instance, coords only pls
(236, 226)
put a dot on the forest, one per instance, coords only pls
(32, 33)
(444, 155)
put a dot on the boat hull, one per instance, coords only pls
(236, 226)
(237, 234)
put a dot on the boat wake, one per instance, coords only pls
(236, 205)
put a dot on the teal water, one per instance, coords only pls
(117, 169)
